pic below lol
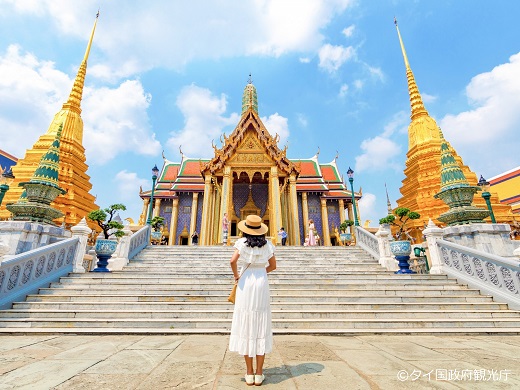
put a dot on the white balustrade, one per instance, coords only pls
(367, 241)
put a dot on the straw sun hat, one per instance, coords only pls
(253, 226)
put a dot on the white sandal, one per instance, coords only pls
(250, 379)
(259, 379)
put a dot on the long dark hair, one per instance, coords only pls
(253, 241)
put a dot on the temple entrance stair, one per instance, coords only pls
(319, 290)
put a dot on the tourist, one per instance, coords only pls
(251, 327)
(283, 235)
(225, 229)
(312, 233)
(195, 238)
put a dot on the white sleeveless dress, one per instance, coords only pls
(251, 328)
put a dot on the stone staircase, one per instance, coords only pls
(327, 290)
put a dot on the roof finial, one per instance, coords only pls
(250, 79)
(180, 151)
(318, 152)
(337, 155)
(388, 204)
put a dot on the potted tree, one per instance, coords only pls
(156, 224)
(343, 226)
(401, 247)
(105, 247)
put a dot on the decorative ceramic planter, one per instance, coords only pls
(104, 250)
(401, 250)
(345, 237)
(156, 235)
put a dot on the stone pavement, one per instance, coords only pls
(297, 362)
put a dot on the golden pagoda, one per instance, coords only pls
(423, 164)
(77, 202)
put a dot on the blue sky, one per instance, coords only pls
(329, 74)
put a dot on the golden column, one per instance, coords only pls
(341, 204)
(325, 222)
(173, 221)
(349, 210)
(206, 212)
(193, 220)
(157, 208)
(142, 218)
(295, 221)
(224, 201)
(215, 212)
(305, 210)
(276, 219)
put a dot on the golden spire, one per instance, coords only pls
(415, 97)
(76, 94)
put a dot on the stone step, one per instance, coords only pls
(224, 305)
(274, 287)
(276, 314)
(225, 324)
(107, 297)
(274, 292)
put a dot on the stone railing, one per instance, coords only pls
(27, 272)
(367, 241)
(129, 246)
(493, 275)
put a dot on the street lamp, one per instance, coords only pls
(350, 174)
(6, 179)
(482, 183)
(155, 172)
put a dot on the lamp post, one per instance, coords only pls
(155, 172)
(350, 174)
(482, 183)
(5, 180)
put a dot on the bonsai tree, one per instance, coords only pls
(104, 219)
(343, 226)
(404, 215)
(157, 223)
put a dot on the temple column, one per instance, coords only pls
(173, 220)
(293, 202)
(341, 204)
(215, 207)
(224, 201)
(229, 210)
(157, 208)
(193, 220)
(325, 222)
(142, 218)
(305, 211)
(204, 229)
(349, 210)
(276, 220)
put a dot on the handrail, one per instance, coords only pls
(367, 241)
(138, 241)
(492, 274)
(27, 272)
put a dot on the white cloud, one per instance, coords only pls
(128, 185)
(428, 98)
(379, 153)
(305, 60)
(358, 84)
(332, 57)
(367, 209)
(204, 121)
(343, 90)
(32, 91)
(116, 121)
(349, 31)
(133, 37)
(493, 123)
(376, 73)
(398, 123)
(277, 124)
(302, 120)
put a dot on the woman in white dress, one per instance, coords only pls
(251, 329)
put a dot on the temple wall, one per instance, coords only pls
(184, 214)
(333, 213)
(300, 218)
(166, 211)
(314, 204)
(200, 202)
